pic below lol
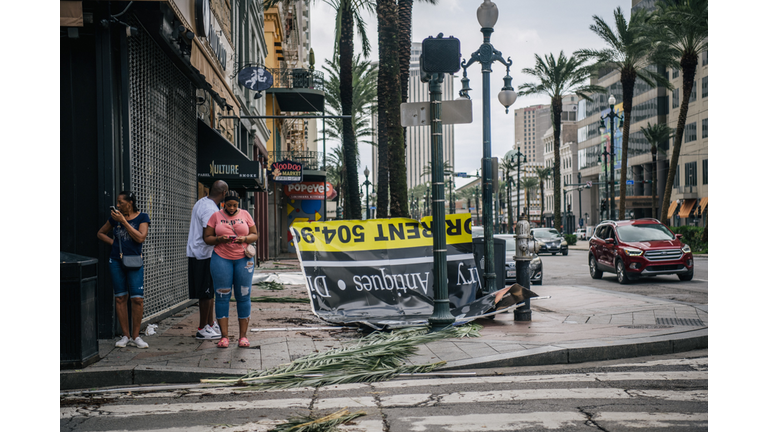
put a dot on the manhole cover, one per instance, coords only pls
(680, 322)
(645, 326)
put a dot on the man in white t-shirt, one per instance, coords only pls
(199, 260)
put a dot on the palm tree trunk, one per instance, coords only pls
(653, 182)
(353, 209)
(628, 77)
(688, 65)
(404, 23)
(541, 200)
(557, 110)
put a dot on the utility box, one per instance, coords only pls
(78, 342)
(499, 258)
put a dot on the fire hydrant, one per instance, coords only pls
(523, 255)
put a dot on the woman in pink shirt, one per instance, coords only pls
(230, 230)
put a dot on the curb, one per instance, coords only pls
(542, 356)
(589, 351)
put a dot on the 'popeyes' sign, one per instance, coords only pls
(310, 191)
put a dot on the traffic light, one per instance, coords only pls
(441, 55)
(603, 205)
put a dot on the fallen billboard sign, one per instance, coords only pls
(378, 272)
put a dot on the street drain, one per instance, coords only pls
(680, 322)
(645, 326)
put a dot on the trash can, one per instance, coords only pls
(499, 258)
(79, 345)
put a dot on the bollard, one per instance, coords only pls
(523, 257)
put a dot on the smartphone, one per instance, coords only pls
(233, 237)
(114, 209)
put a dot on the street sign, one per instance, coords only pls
(460, 174)
(453, 112)
(589, 183)
(630, 182)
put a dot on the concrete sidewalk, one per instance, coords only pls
(576, 324)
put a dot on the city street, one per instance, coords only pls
(659, 393)
(573, 270)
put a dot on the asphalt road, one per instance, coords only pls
(574, 270)
(665, 393)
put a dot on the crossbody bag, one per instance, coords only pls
(131, 262)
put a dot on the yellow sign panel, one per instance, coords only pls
(377, 234)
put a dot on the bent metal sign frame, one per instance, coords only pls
(379, 272)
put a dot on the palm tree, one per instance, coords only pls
(509, 165)
(658, 135)
(530, 185)
(363, 100)
(543, 174)
(682, 27)
(392, 184)
(558, 77)
(629, 51)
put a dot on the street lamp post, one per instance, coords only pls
(578, 175)
(612, 116)
(367, 183)
(605, 160)
(487, 15)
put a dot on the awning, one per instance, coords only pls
(703, 204)
(687, 206)
(672, 208)
(218, 159)
(70, 14)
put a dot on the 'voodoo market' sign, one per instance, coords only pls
(378, 272)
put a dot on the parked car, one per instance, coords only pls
(638, 247)
(581, 234)
(536, 268)
(477, 231)
(549, 240)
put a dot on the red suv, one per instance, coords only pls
(639, 247)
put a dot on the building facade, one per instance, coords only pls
(144, 89)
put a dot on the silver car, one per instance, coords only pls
(536, 268)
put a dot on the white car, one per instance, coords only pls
(581, 234)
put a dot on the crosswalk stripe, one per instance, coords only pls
(389, 401)
(485, 422)
(548, 420)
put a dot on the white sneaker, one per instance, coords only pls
(122, 342)
(207, 333)
(140, 343)
(216, 329)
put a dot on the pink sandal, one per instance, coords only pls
(243, 343)
(223, 343)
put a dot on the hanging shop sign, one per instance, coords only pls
(256, 78)
(286, 171)
(379, 272)
(310, 191)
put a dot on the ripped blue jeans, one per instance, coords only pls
(229, 274)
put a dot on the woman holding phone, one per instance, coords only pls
(130, 229)
(230, 230)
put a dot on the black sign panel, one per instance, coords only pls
(217, 159)
(255, 78)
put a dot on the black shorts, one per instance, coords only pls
(200, 280)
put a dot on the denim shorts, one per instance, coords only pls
(126, 281)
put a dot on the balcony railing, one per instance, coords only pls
(310, 160)
(297, 79)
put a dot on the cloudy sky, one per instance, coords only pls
(523, 29)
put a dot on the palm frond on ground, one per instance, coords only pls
(326, 423)
(377, 357)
